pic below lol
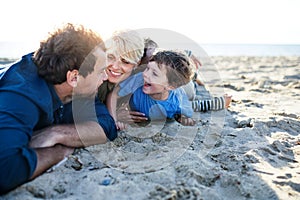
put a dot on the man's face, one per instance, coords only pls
(88, 86)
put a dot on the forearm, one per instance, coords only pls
(79, 135)
(49, 156)
(111, 102)
(88, 133)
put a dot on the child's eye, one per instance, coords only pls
(155, 74)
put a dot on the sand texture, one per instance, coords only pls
(250, 151)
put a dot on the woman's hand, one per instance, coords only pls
(121, 126)
(126, 116)
(137, 116)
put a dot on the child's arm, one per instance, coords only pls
(186, 113)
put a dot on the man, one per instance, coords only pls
(48, 105)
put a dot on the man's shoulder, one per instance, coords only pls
(22, 78)
(23, 68)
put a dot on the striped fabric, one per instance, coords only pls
(217, 103)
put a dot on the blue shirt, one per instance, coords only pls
(131, 84)
(29, 103)
(177, 103)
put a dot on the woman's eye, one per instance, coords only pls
(124, 61)
(110, 57)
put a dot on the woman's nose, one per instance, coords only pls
(115, 64)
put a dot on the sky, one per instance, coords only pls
(204, 21)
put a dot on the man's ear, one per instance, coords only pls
(72, 77)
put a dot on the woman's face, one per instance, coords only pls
(118, 68)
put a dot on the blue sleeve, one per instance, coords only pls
(94, 110)
(185, 104)
(18, 117)
(106, 121)
(131, 84)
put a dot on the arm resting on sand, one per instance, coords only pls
(81, 135)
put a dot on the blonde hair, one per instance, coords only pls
(126, 44)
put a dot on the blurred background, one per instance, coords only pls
(231, 27)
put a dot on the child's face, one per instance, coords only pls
(155, 79)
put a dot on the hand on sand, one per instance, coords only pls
(121, 126)
(185, 121)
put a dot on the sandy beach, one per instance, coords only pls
(250, 151)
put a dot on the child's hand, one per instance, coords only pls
(185, 121)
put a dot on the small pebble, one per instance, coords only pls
(106, 181)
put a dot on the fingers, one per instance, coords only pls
(138, 119)
(137, 116)
(186, 121)
(129, 117)
(135, 113)
(121, 126)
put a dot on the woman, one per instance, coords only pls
(124, 52)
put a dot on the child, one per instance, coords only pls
(198, 104)
(158, 97)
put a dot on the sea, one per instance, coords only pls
(252, 49)
(14, 50)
